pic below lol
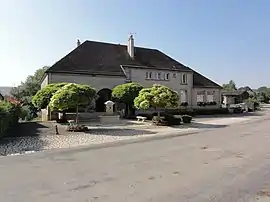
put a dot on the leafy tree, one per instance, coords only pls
(72, 96)
(262, 89)
(126, 93)
(158, 96)
(30, 86)
(27, 89)
(42, 98)
(263, 94)
(231, 86)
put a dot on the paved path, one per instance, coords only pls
(224, 164)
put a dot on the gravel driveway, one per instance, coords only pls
(38, 136)
(35, 136)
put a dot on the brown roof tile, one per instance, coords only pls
(93, 57)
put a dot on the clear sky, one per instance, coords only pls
(222, 39)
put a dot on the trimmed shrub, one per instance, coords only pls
(169, 119)
(184, 104)
(180, 111)
(186, 118)
(211, 103)
(205, 111)
(77, 128)
(159, 121)
(9, 116)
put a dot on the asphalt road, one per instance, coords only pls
(225, 164)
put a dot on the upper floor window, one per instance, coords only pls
(167, 76)
(184, 79)
(148, 75)
(158, 75)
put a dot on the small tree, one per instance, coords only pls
(126, 93)
(72, 96)
(158, 96)
(229, 87)
(42, 98)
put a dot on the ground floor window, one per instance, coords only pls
(183, 96)
(210, 96)
(200, 96)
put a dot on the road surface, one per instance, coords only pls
(226, 164)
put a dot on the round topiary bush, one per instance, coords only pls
(186, 118)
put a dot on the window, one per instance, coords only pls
(167, 76)
(200, 96)
(174, 75)
(183, 95)
(158, 75)
(148, 75)
(184, 79)
(210, 96)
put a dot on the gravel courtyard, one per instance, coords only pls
(38, 136)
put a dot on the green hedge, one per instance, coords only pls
(9, 114)
(205, 111)
(190, 112)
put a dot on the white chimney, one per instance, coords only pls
(78, 43)
(130, 46)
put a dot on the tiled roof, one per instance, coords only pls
(200, 81)
(100, 58)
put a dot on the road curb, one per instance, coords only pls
(121, 142)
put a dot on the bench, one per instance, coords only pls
(141, 118)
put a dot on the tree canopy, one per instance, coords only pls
(158, 96)
(30, 86)
(42, 98)
(231, 86)
(71, 96)
(127, 92)
(27, 89)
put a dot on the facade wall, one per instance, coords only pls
(45, 81)
(173, 81)
(97, 82)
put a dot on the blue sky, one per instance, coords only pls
(222, 39)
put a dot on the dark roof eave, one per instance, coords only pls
(88, 73)
(156, 68)
(196, 86)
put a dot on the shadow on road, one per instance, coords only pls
(118, 132)
(204, 125)
(248, 114)
(199, 125)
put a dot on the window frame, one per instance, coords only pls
(167, 76)
(184, 79)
